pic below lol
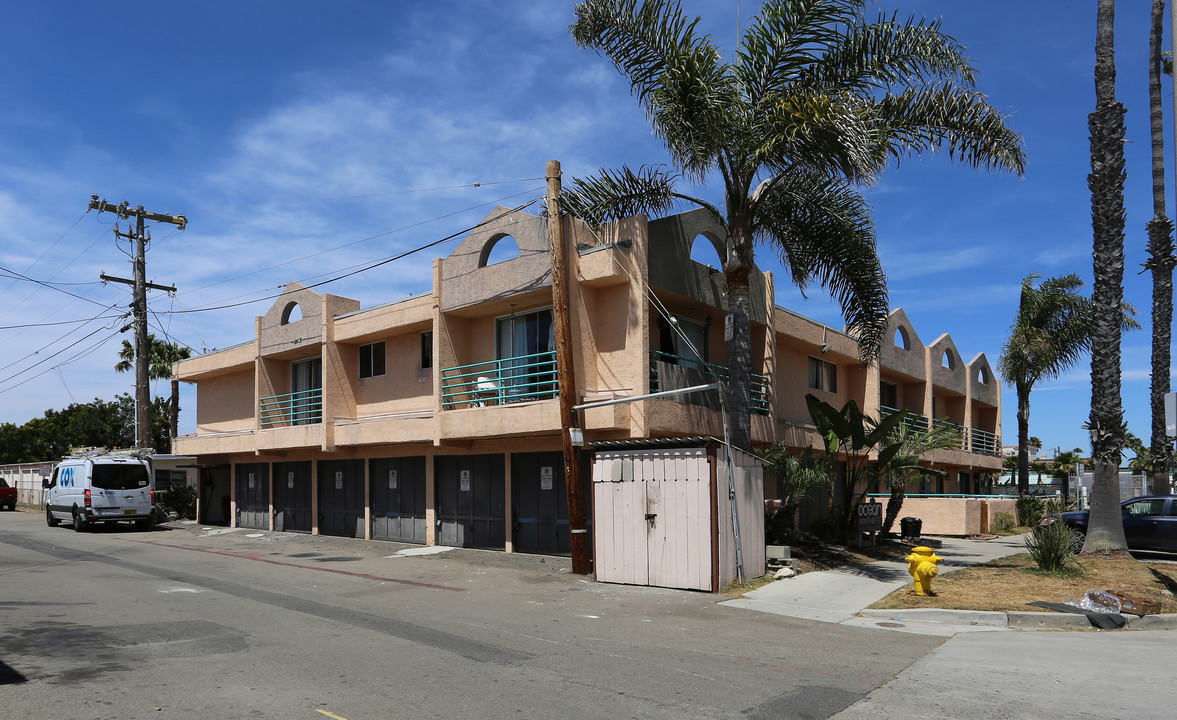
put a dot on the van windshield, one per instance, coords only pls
(131, 476)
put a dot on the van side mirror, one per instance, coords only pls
(45, 484)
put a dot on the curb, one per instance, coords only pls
(1017, 620)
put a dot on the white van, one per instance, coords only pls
(97, 485)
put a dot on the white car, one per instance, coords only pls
(101, 487)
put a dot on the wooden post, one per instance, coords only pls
(565, 377)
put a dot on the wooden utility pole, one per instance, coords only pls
(565, 376)
(139, 304)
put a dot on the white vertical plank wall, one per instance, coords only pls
(674, 550)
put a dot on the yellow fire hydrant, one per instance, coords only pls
(921, 563)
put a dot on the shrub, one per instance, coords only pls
(1030, 510)
(1052, 546)
(1004, 523)
(181, 500)
(1053, 506)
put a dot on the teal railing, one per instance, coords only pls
(976, 441)
(510, 380)
(710, 372)
(304, 407)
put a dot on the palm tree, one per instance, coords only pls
(1160, 262)
(1106, 181)
(1065, 464)
(917, 444)
(161, 357)
(817, 101)
(1050, 332)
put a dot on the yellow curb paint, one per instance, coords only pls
(330, 715)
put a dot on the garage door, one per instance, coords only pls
(398, 498)
(292, 496)
(341, 498)
(253, 495)
(471, 501)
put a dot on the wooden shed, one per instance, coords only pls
(662, 514)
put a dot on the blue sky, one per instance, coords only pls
(302, 139)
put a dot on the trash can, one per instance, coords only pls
(910, 527)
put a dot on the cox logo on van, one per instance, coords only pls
(67, 477)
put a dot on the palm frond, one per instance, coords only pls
(823, 231)
(947, 117)
(678, 76)
(787, 38)
(889, 53)
(617, 194)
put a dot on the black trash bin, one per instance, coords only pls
(910, 527)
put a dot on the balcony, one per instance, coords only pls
(976, 441)
(687, 369)
(304, 407)
(500, 382)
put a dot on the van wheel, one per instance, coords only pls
(49, 519)
(80, 524)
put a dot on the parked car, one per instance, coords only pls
(1150, 522)
(7, 496)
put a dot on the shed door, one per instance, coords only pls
(253, 495)
(398, 498)
(341, 498)
(292, 496)
(471, 501)
(652, 518)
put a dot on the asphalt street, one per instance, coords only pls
(193, 622)
(203, 623)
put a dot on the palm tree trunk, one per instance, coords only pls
(1160, 263)
(894, 505)
(1106, 181)
(737, 273)
(175, 419)
(1023, 438)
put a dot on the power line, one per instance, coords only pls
(63, 337)
(64, 322)
(371, 266)
(50, 357)
(48, 285)
(368, 195)
(357, 242)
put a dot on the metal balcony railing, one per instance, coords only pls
(976, 441)
(498, 382)
(709, 372)
(304, 407)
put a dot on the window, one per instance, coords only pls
(889, 394)
(427, 349)
(306, 391)
(526, 347)
(685, 342)
(823, 375)
(372, 360)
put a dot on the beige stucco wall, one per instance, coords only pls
(225, 402)
(953, 515)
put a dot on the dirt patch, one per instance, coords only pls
(1008, 583)
(812, 554)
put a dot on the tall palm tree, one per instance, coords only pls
(818, 100)
(1160, 262)
(161, 357)
(1050, 333)
(1106, 181)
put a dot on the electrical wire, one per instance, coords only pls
(356, 242)
(59, 352)
(63, 337)
(368, 267)
(48, 285)
(368, 195)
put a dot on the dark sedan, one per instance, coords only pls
(1150, 522)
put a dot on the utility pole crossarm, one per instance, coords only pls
(125, 281)
(139, 306)
(125, 210)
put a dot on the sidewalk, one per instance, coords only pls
(841, 596)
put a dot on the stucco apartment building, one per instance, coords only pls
(435, 419)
